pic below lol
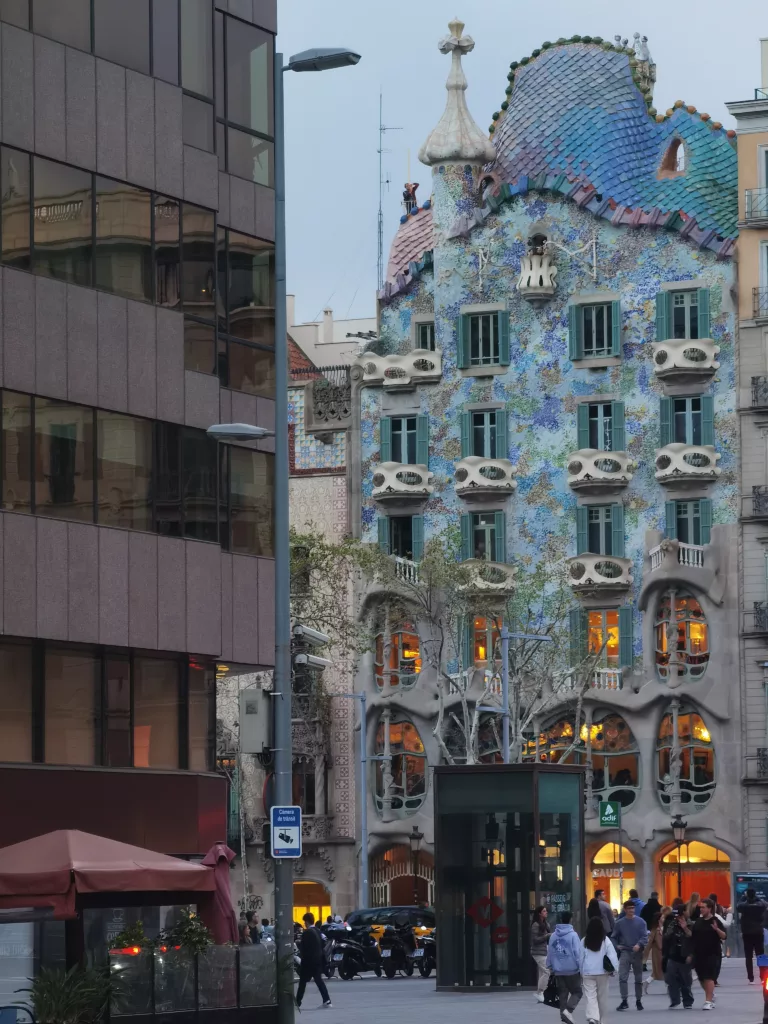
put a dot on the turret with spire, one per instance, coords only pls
(456, 148)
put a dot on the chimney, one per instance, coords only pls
(327, 338)
(764, 63)
(290, 310)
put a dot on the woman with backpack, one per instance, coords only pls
(598, 962)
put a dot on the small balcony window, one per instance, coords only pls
(485, 639)
(483, 340)
(403, 665)
(600, 530)
(685, 315)
(603, 637)
(404, 439)
(425, 336)
(597, 327)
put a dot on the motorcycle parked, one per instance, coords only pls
(398, 945)
(355, 952)
(425, 954)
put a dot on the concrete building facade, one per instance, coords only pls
(558, 333)
(137, 310)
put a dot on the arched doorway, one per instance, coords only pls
(393, 883)
(705, 869)
(609, 871)
(312, 898)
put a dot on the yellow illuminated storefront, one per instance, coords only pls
(607, 872)
(313, 898)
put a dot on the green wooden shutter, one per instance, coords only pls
(663, 319)
(705, 505)
(502, 446)
(582, 541)
(707, 419)
(462, 342)
(422, 440)
(618, 433)
(417, 537)
(467, 642)
(582, 425)
(383, 524)
(626, 655)
(704, 320)
(616, 328)
(575, 333)
(578, 623)
(385, 439)
(466, 536)
(617, 530)
(665, 421)
(465, 424)
(500, 529)
(502, 326)
(670, 517)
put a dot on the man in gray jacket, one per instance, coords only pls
(630, 937)
(606, 914)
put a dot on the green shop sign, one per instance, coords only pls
(610, 813)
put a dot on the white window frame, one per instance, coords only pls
(690, 298)
(692, 418)
(425, 325)
(490, 442)
(594, 352)
(605, 659)
(494, 342)
(603, 516)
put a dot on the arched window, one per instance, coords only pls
(615, 760)
(401, 781)
(682, 637)
(694, 760)
(674, 159)
(404, 658)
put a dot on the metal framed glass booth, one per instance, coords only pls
(507, 838)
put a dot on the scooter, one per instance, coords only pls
(425, 954)
(398, 946)
(354, 953)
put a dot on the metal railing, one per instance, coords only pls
(756, 620)
(760, 392)
(759, 302)
(337, 375)
(756, 204)
(607, 679)
(761, 94)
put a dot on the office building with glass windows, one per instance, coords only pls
(137, 266)
(570, 411)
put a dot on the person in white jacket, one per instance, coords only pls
(594, 978)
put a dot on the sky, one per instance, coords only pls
(707, 53)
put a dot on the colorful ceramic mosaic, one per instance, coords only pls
(310, 453)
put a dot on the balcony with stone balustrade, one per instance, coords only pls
(590, 574)
(402, 482)
(401, 372)
(599, 472)
(685, 361)
(687, 465)
(489, 577)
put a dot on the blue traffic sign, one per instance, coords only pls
(286, 831)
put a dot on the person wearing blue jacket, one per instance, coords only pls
(630, 937)
(564, 953)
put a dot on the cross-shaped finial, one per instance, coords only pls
(456, 41)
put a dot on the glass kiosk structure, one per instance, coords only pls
(507, 838)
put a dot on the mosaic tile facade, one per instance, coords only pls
(310, 455)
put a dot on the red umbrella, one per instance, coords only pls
(221, 920)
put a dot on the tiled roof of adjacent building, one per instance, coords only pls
(297, 359)
(576, 109)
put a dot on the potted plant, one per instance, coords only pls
(77, 996)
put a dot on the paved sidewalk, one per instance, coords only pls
(415, 1001)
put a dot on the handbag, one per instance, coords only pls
(551, 994)
(607, 962)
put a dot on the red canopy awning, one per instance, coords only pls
(50, 870)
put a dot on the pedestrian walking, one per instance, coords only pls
(707, 934)
(694, 909)
(630, 936)
(750, 913)
(677, 951)
(636, 902)
(540, 933)
(596, 946)
(311, 952)
(564, 961)
(653, 952)
(605, 910)
(650, 909)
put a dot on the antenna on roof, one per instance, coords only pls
(382, 182)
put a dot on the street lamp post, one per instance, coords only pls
(678, 831)
(414, 839)
(318, 59)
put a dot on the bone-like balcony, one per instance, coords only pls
(590, 469)
(687, 464)
(477, 477)
(685, 361)
(489, 577)
(537, 277)
(592, 574)
(398, 480)
(402, 372)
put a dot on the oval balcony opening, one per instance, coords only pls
(425, 365)
(395, 373)
(695, 355)
(611, 570)
(697, 459)
(378, 479)
(577, 570)
(492, 472)
(608, 465)
(409, 477)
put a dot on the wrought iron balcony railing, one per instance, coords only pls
(756, 621)
(762, 762)
(761, 94)
(760, 392)
(756, 204)
(760, 500)
(759, 302)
